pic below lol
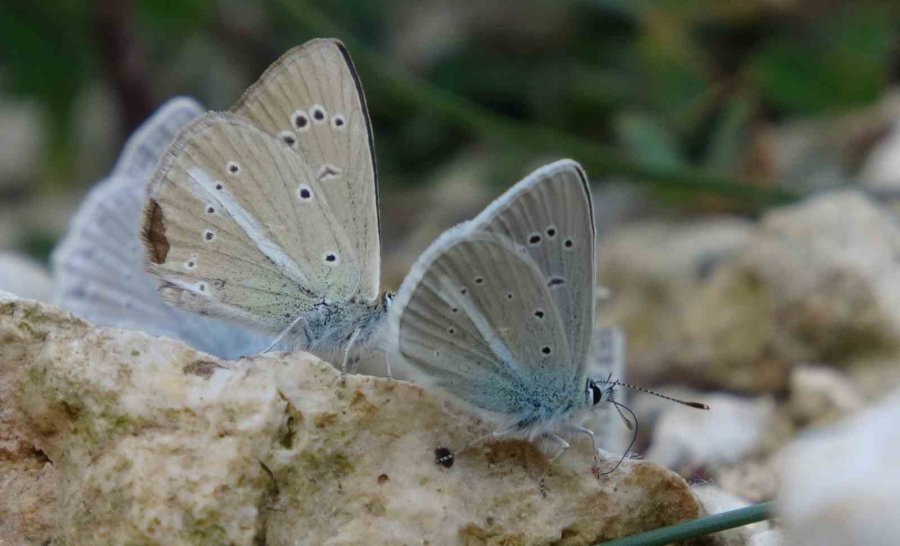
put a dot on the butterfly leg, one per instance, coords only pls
(451, 454)
(584, 430)
(285, 332)
(347, 349)
(563, 447)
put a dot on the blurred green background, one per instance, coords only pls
(700, 106)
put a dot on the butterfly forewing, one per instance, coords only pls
(549, 215)
(480, 321)
(311, 99)
(206, 236)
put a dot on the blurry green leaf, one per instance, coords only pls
(673, 79)
(645, 139)
(45, 49)
(729, 136)
(173, 17)
(37, 242)
(842, 64)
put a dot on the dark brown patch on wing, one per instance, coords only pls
(155, 233)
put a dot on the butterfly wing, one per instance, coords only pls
(206, 238)
(98, 267)
(475, 314)
(549, 214)
(312, 97)
(521, 310)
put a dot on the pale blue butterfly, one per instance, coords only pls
(499, 311)
(98, 267)
(267, 215)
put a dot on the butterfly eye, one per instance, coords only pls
(551, 232)
(539, 314)
(331, 258)
(546, 349)
(555, 281)
(596, 393)
(338, 121)
(233, 168)
(209, 235)
(534, 239)
(305, 193)
(568, 243)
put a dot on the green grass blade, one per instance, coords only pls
(697, 527)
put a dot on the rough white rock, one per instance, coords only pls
(842, 485)
(115, 437)
(653, 270)
(820, 395)
(685, 438)
(814, 282)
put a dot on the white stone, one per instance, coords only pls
(731, 430)
(820, 395)
(116, 437)
(818, 281)
(842, 485)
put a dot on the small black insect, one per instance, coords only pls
(443, 457)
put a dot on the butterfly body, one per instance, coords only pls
(329, 328)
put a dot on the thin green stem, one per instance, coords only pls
(697, 527)
(392, 80)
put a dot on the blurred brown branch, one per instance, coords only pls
(123, 59)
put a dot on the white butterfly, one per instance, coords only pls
(99, 266)
(499, 311)
(268, 214)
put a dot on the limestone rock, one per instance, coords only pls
(841, 486)
(732, 430)
(818, 281)
(653, 270)
(822, 395)
(813, 282)
(115, 437)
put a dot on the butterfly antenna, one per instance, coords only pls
(619, 407)
(612, 398)
(695, 405)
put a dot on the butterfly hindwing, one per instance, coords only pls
(237, 225)
(311, 98)
(478, 318)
